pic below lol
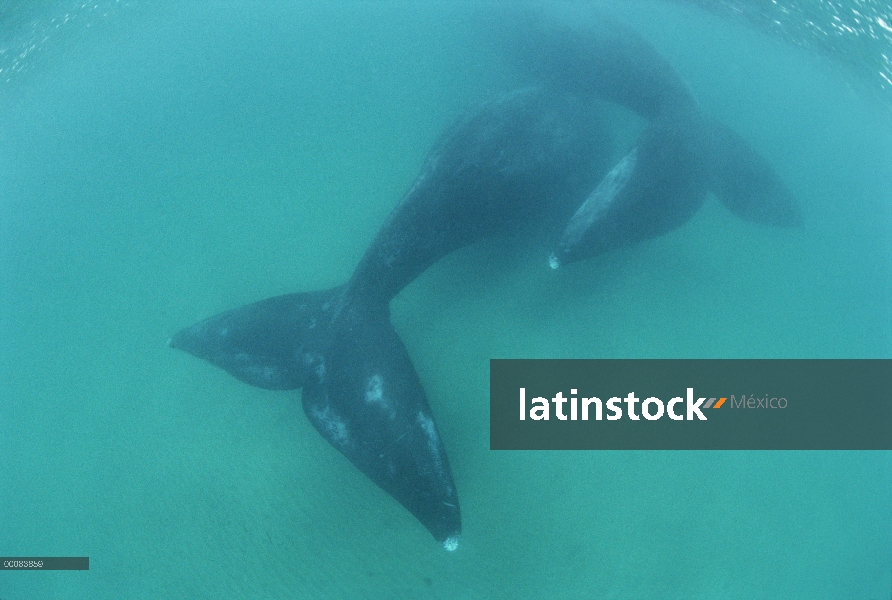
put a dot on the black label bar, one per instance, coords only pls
(45, 563)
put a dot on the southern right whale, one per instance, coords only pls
(533, 159)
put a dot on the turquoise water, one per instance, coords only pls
(162, 162)
(854, 33)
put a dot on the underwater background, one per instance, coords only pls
(163, 161)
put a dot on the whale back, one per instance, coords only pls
(602, 59)
(515, 165)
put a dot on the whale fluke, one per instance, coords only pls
(261, 343)
(363, 395)
(360, 390)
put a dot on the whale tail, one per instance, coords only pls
(360, 390)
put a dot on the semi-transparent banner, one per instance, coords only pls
(710, 404)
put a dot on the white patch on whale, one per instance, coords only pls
(374, 391)
(374, 394)
(330, 422)
(433, 442)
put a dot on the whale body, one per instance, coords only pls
(533, 159)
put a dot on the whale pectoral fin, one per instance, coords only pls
(364, 397)
(655, 188)
(745, 182)
(260, 343)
